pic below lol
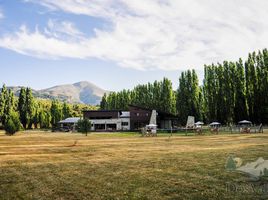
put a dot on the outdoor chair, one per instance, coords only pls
(198, 131)
(214, 130)
(245, 130)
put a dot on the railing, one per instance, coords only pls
(229, 129)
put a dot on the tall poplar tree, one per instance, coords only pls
(3, 97)
(103, 103)
(66, 111)
(22, 108)
(56, 113)
(29, 107)
(188, 96)
(240, 107)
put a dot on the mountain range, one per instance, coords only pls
(82, 92)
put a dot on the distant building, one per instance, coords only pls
(68, 124)
(134, 119)
(108, 120)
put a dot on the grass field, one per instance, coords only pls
(36, 165)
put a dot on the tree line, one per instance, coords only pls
(158, 95)
(28, 112)
(230, 92)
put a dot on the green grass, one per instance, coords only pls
(43, 165)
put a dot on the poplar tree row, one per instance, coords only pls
(231, 91)
(31, 112)
(158, 95)
(237, 90)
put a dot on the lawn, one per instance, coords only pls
(44, 165)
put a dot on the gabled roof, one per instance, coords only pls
(70, 120)
(102, 110)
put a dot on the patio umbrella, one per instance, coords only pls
(215, 124)
(199, 123)
(245, 122)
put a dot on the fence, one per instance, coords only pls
(229, 129)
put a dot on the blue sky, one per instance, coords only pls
(118, 44)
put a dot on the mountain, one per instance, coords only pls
(81, 92)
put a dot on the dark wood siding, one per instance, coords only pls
(139, 117)
(101, 114)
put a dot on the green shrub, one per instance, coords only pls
(13, 124)
(84, 126)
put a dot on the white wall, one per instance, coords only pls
(118, 123)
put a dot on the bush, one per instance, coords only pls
(13, 124)
(84, 126)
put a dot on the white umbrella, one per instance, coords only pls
(245, 122)
(199, 123)
(215, 124)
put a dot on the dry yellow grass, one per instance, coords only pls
(39, 165)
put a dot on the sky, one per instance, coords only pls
(118, 44)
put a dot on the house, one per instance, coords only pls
(108, 120)
(134, 119)
(140, 117)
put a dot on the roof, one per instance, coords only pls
(140, 107)
(70, 120)
(102, 110)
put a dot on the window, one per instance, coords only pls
(124, 123)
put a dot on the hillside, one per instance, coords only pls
(81, 92)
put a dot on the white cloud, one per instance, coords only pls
(151, 34)
(60, 29)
